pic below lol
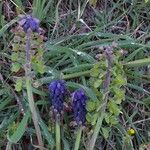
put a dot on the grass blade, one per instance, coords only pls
(138, 63)
(17, 135)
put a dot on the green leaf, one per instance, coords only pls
(133, 54)
(15, 67)
(120, 80)
(146, 101)
(93, 2)
(46, 133)
(38, 66)
(88, 117)
(113, 120)
(14, 56)
(4, 102)
(18, 85)
(138, 63)
(95, 70)
(2, 30)
(119, 95)
(17, 135)
(105, 132)
(3, 91)
(8, 120)
(138, 88)
(91, 106)
(114, 108)
(78, 68)
(97, 83)
(94, 119)
(107, 118)
(39, 92)
(65, 144)
(18, 3)
(55, 50)
(147, 1)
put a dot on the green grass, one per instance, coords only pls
(76, 34)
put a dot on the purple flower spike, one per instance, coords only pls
(28, 22)
(58, 91)
(79, 103)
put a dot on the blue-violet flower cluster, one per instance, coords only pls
(79, 106)
(58, 91)
(28, 22)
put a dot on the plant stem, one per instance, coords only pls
(96, 132)
(106, 83)
(8, 147)
(78, 138)
(33, 111)
(57, 128)
(29, 91)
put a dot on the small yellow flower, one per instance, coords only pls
(131, 131)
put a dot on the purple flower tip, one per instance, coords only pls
(28, 22)
(58, 91)
(79, 106)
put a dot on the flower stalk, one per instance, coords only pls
(106, 83)
(78, 138)
(29, 91)
(58, 140)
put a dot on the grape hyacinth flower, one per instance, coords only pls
(28, 22)
(79, 102)
(58, 91)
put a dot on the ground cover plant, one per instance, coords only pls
(75, 75)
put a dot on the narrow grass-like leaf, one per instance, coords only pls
(139, 63)
(39, 92)
(17, 135)
(55, 50)
(138, 88)
(4, 28)
(133, 54)
(78, 68)
(19, 3)
(4, 102)
(8, 120)
(46, 133)
(66, 144)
